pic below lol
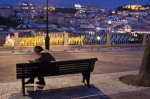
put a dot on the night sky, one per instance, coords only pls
(101, 3)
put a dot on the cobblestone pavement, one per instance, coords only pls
(68, 87)
(3, 52)
(113, 63)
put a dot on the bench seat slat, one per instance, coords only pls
(64, 73)
(74, 70)
(74, 67)
(75, 64)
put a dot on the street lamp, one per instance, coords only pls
(47, 30)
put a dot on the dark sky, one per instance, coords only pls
(100, 3)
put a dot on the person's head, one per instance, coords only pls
(38, 49)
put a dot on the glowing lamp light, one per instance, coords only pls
(109, 22)
(135, 35)
(98, 38)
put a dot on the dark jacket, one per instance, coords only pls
(45, 56)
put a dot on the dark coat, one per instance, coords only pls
(45, 56)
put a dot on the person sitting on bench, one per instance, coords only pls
(44, 56)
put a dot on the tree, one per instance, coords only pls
(144, 72)
(9, 22)
(66, 10)
(143, 77)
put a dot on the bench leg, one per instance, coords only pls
(88, 79)
(86, 76)
(83, 76)
(23, 86)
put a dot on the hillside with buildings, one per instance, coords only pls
(28, 18)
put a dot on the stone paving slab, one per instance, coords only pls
(71, 87)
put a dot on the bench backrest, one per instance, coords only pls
(27, 70)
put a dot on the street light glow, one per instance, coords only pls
(98, 38)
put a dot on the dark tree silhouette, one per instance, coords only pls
(144, 72)
(143, 77)
(10, 22)
(66, 10)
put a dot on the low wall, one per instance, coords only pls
(69, 41)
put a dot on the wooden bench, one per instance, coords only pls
(55, 68)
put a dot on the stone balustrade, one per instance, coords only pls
(69, 39)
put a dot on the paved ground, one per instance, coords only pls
(113, 63)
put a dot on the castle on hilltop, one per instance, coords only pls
(135, 7)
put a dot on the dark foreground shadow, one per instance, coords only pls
(76, 92)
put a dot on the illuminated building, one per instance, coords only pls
(78, 6)
(135, 7)
(118, 22)
(27, 6)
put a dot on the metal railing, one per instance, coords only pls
(81, 39)
(126, 38)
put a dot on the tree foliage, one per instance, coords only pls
(10, 22)
(66, 10)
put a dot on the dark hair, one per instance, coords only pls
(38, 48)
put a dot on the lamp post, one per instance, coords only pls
(47, 30)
